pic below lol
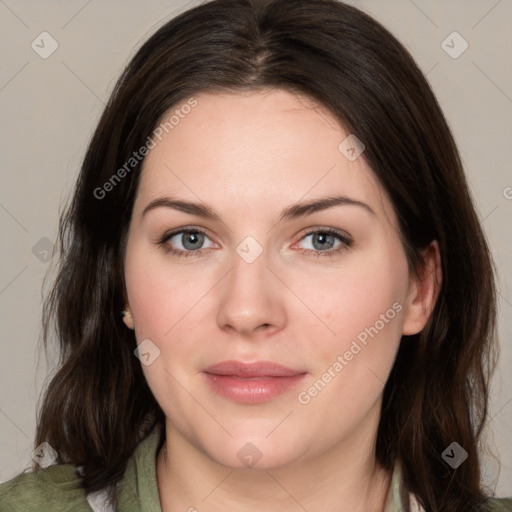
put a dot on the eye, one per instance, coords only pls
(323, 241)
(190, 240)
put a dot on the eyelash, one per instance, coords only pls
(345, 243)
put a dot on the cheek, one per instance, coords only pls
(364, 308)
(162, 303)
(160, 294)
(171, 307)
(350, 299)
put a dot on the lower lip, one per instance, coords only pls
(253, 390)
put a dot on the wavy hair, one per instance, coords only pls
(97, 406)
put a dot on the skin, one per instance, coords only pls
(248, 156)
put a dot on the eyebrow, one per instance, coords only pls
(292, 212)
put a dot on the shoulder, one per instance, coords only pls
(55, 488)
(500, 504)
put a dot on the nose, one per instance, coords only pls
(251, 298)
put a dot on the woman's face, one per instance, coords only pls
(260, 285)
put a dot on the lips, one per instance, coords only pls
(251, 382)
(248, 370)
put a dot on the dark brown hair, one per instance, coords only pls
(98, 406)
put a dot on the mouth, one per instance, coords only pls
(251, 383)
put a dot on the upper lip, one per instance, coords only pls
(257, 369)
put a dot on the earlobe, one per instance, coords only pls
(127, 319)
(127, 315)
(423, 292)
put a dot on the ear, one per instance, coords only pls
(127, 318)
(423, 291)
(127, 314)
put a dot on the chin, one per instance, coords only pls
(255, 453)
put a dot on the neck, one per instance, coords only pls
(189, 480)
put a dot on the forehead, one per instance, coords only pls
(255, 152)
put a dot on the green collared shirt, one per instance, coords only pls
(55, 488)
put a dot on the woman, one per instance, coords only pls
(245, 140)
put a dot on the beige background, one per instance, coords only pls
(50, 106)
